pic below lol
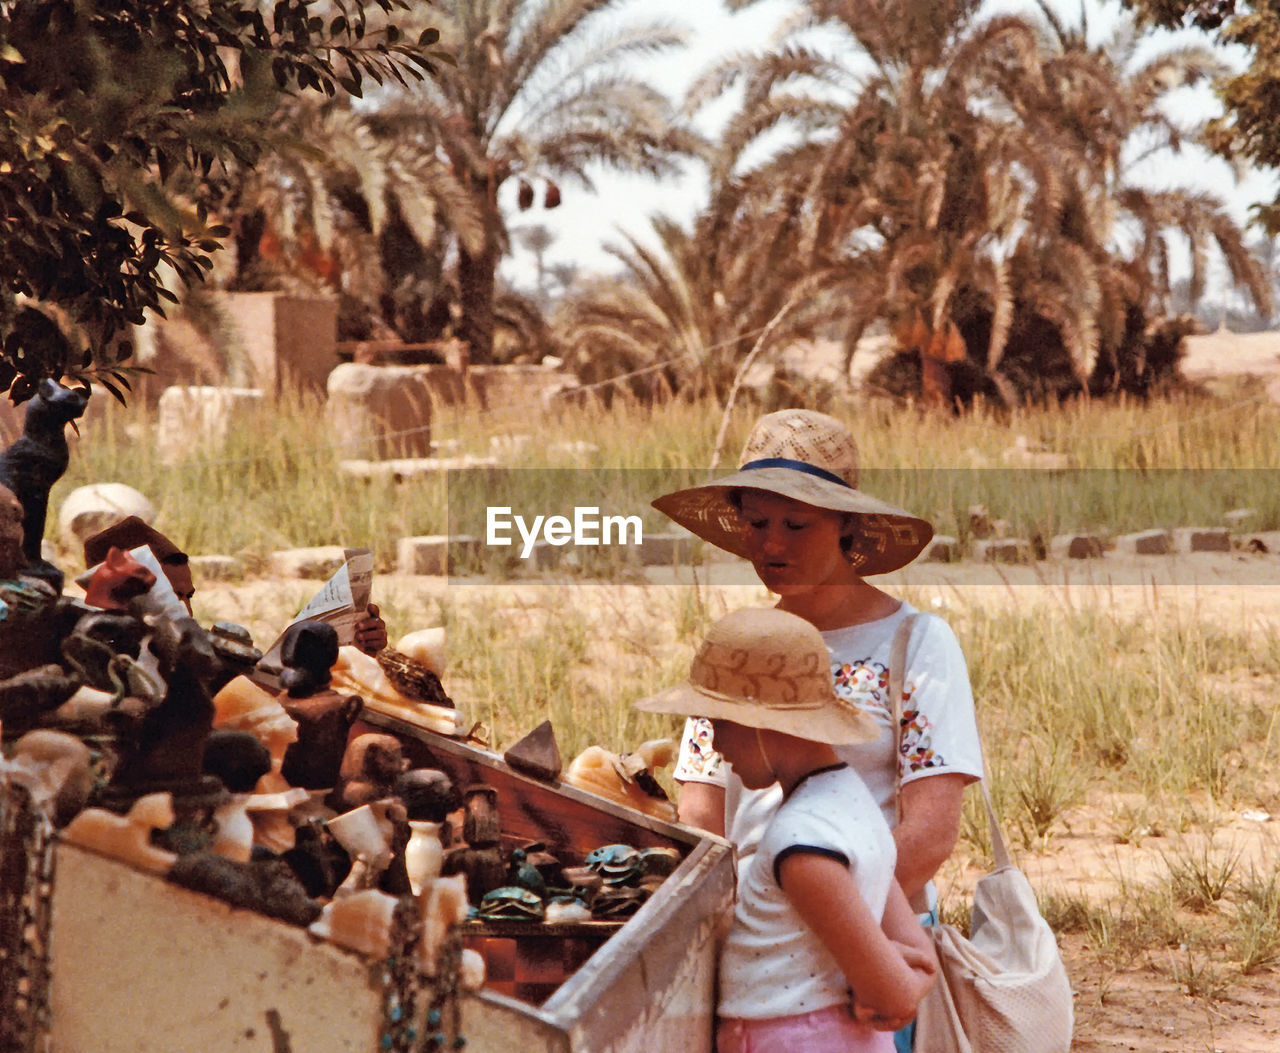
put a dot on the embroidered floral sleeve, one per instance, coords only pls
(917, 752)
(698, 761)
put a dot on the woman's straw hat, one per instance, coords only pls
(809, 457)
(765, 668)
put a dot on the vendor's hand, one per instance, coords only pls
(371, 631)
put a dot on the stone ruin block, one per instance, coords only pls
(381, 412)
(1203, 539)
(1004, 550)
(1076, 546)
(941, 549)
(283, 340)
(94, 507)
(1146, 543)
(1242, 519)
(425, 554)
(190, 417)
(319, 561)
(524, 387)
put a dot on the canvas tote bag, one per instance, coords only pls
(1005, 988)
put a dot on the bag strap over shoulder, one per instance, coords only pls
(897, 675)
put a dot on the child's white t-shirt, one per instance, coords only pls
(772, 964)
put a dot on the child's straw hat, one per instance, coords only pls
(765, 668)
(811, 458)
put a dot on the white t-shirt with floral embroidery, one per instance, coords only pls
(940, 734)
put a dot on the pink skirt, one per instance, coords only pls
(830, 1030)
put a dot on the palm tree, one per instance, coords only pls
(538, 94)
(1107, 110)
(348, 203)
(922, 174)
(970, 178)
(684, 314)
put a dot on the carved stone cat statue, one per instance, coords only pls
(35, 461)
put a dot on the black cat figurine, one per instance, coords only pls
(36, 461)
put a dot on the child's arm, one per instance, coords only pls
(905, 932)
(823, 892)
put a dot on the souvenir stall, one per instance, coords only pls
(206, 847)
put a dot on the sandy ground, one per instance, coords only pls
(1140, 1007)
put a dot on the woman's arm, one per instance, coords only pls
(928, 829)
(824, 894)
(702, 805)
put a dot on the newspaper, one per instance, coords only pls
(341, 602)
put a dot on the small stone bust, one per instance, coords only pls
(428, 795)
(370, 767)
(308, 651)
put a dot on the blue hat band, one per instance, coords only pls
(795, 466)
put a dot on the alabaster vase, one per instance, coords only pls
(424, 854)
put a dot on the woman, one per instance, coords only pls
(793, 509)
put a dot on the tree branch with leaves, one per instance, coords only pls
(117, 114)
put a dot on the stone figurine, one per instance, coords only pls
(166, 750)
(32, 619)
(35, 461)
(308, 651)
(119, 579)
(481, 858)
(127, 837)
(370, 768)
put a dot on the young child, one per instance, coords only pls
(824, 953)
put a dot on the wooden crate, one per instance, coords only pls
(142, 966)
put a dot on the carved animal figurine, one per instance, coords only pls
(36, 460)
(118, 579)
(127, 837)
(626, 778)
(370, 767)
(167, 751)
(55, 767)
